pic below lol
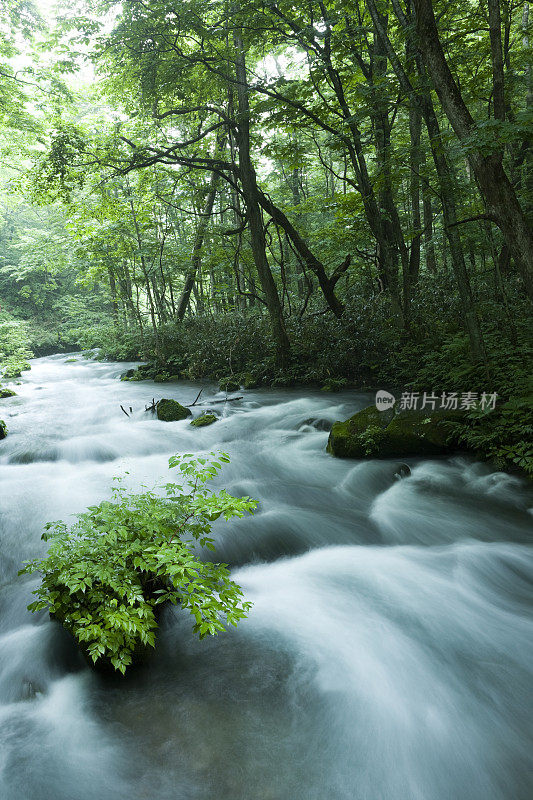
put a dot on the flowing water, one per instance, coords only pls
(389, 652)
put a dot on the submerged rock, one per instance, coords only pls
(317, 423)
(203, 420)
(388, 434)
(171, 411)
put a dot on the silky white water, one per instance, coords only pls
(389, 652)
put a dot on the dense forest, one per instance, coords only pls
(327, 193)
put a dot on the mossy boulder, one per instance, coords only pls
(128, 375)
(171, 411)
(229, 385)
(6, 393)
(387, 434)
(203, 420)
(70, 360)
(3, 429)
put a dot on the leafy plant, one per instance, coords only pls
(106, 576)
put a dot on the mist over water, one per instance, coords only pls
(389, 651)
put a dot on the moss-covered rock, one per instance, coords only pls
(229, 385)
(6, 393)
(385, 434)
(128, 375)
(162, 377)
(203, 420)
(3, 429)
(70, 360)
(171, 411)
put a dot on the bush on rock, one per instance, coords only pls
(106, 577)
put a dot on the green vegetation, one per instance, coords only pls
(171, 410)
(106, 576)
(352, 209)
(203, 420)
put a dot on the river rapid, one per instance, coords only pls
(389, 651)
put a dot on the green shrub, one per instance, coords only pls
(105, 576)
(14, 348)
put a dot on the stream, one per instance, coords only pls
(389, 651)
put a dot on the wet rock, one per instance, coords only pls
(203, 420)
(318, 424)
(388, 434)
(403, 471)
(171, 411)
(3, 429)
(4, 393)
(126, 376)
(229, 385)
(70, 360)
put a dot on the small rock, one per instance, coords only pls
(171, 411)
(203, 420)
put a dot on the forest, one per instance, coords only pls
(321, 194)
(282, 215)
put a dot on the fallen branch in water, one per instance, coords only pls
(212, 402)
(197, 397)
(124, 410)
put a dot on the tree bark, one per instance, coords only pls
(201, 229)
(497, 191)
(255, 219)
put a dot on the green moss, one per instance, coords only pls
(70, 360)
(6, 393)
(171, 410)
(349, 439)
(203, 420)
(3, 429)
(385, 434)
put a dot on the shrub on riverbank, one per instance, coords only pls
(106, 577)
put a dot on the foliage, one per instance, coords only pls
(106, 576)
(14, 350)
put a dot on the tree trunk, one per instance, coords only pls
(201, 228)
(497, 191)
(255, 219)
